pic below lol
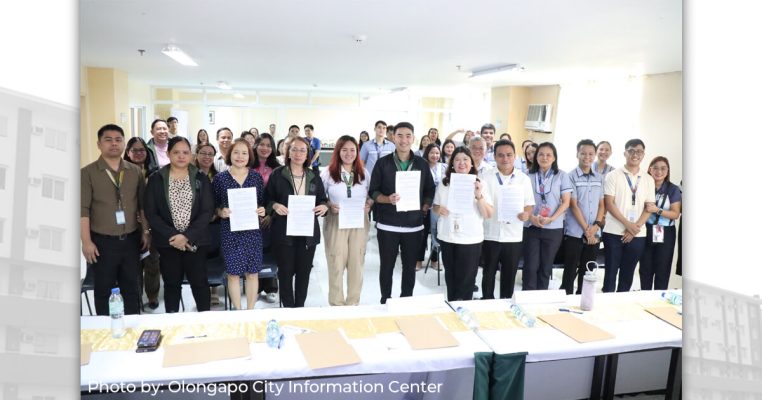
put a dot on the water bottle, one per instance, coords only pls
(672, 298)
(586, 301)
(522, 315)
(116, 311)
(274, 335)
(467, 318)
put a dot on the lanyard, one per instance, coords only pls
(500, 180)
(435, 173)
(293, 182)
(663, 192)
(117, 185)
(541, 185)
(633, 189)
(398, 163)
(348, 182)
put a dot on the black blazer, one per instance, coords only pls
(156, 206)
(279, 187)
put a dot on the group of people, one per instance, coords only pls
(160, 199)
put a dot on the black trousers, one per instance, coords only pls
(175, 265)
(621, 260)
(540, 248)
(294, 267)
(656, 261)
(118, 263)
(461, 263)
(505, 254)
(576, 256)
(389, 245)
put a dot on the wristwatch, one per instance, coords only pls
(659, 212)
(599, 223)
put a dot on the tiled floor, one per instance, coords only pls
(317, 295)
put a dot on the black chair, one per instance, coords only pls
(88, 283)
(435, 250)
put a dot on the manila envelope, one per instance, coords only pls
(206, 351)
(84, 353)
(326, 349)
(576, 328)
(426, 333)
(667, 314)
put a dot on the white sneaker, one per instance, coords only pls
(271, 297)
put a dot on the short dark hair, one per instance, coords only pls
(110, 127)
(309, 126)
(293, 126)
(244, 133)
(228, 157)
(288, 151)
(174, 141)
(487, 126)
(156, 121)
(379, 122)
(170, 119)
(390, 128)
(407, 125)
(633, 143)
(503, 142)
(586, 142)
(224, 128)
(428, 149)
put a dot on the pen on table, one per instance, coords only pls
(194, 337)
(570, 311)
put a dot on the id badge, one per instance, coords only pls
(454, 225)
(120, 220)
(544, 211)
(632, 216)
(658, 234)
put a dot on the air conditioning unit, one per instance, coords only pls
(538, 117)
(35, 182)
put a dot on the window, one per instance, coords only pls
(52, 188)
(3, 125)
(51, 238)
(45, 343)
(55, 139)
(48, 290)
(2, 177)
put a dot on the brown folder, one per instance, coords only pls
(84, 353)
(667, 314)
(426, 333)
(206, 351)
(326, 349)
(576, 328)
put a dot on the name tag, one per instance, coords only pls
(120, 220)
(658, 234)
(632, 215)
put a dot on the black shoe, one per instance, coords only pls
(153, 305)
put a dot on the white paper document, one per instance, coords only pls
(510, 203)
(460, 198)
(407, 185)
(352, 213)
(301, 218)
(243, 209)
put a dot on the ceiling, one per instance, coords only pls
(305, 44)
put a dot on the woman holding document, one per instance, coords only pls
(179, 205)
(544, 230)
(462, 203)
(504, 231)
(296, 197)
(346, 225)
(240, 237)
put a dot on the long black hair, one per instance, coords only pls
(271, 161)
(536, 165)
(147, 161)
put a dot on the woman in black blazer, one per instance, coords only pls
(179, 204)
(294, 254)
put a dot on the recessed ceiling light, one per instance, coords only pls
(495, 68)
(178, 55)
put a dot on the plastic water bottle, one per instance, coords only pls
(522, 315)
(587, 299)
(274, 335)
(116, 311)
(467, 318)
(672, 298)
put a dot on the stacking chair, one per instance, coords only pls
(87, 283)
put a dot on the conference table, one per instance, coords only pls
(384, 353)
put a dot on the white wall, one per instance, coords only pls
(648, 107)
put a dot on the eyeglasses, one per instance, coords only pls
(205, 154)
(301, 151)
(634, 152)
(137, 150)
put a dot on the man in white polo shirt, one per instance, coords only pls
(627, 191)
